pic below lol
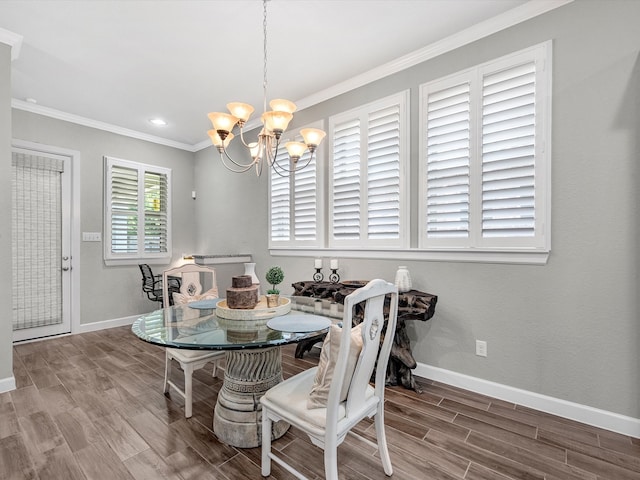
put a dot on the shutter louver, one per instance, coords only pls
(280, 202)
(448, 162)
(508, 153)
(383, 174)
(346, 181)
(124, 210)
(304, 203)
(155, 212)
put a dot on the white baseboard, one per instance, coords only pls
(7, 384)
(116, 322)
(574, 411)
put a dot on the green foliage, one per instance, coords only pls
(274, 276)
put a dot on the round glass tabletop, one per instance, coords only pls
(182, 326)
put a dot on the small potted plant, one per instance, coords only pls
(274, 276)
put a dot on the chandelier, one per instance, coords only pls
(274, 123)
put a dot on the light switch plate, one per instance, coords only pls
(91, 236)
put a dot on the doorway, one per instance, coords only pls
(42, 260)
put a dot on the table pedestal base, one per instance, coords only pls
(237, 418)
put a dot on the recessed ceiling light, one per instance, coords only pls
(158, 121)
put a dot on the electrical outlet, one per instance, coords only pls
(481, 348)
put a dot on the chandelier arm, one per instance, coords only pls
(279, 170)
(242, 138)
(242, 167)
(298, 165)
(271, 155)
(306, 164)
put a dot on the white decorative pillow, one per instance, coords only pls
(328, 357)
(182, 298)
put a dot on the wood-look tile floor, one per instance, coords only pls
(91, 406)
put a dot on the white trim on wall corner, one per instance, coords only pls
(7, 384)
(555, 406)
(13, 40)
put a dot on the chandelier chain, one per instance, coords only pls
(264, 53)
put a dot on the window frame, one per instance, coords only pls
(415, 210)
(319, 159)
(401, 100)
(501, 249)
(111, 258)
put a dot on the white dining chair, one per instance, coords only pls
(191, 289)
(325, 402)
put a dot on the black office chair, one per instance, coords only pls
(152, 285)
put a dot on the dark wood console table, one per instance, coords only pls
(412, 305)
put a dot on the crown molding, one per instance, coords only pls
(202, 145)
(493, 25)
(13, 40)
(88, 122)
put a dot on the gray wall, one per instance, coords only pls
(6, 357)
(112, 292)
(569, 329)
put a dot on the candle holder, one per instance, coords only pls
(318, 276)
(334, 277)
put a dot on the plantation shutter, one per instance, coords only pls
(508, 152)
(137, 212)
(304, 199)
(448, 161)
(280, 202)
(124, 210)
(368, 189)
(383, 174)
(155, 212)
(485, 174)
(293, 203)
(346, 180)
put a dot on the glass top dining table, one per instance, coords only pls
(253, 355)
(196, 327)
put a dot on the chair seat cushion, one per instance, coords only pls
(289, 399)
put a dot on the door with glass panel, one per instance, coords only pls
(41, 207)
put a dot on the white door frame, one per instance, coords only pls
(73, 157)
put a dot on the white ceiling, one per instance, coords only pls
(124, 62)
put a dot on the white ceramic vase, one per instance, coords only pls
(403, 279)
(250, 269)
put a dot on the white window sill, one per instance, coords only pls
(522, 257)
(112, 262)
